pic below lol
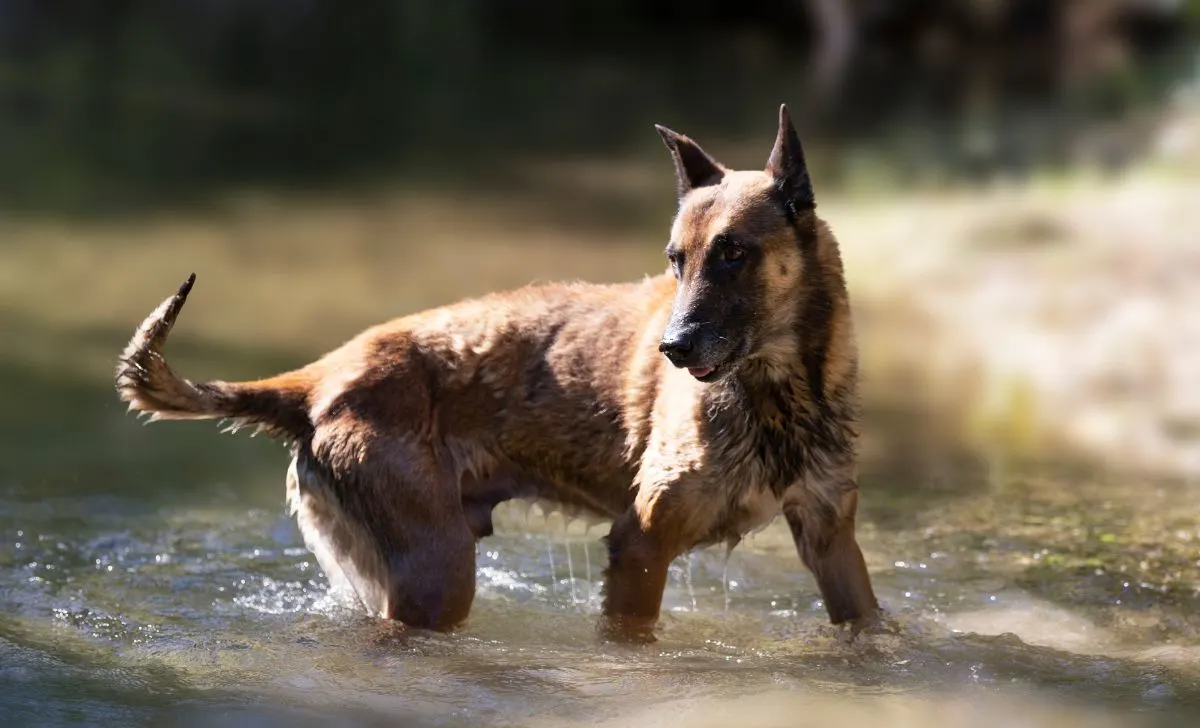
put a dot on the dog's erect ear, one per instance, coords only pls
(693, 167)
(787, 167)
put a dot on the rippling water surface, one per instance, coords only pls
(1031, 598)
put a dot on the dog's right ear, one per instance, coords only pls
(787, 167)
(693, 167)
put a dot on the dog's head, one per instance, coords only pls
(738, 250)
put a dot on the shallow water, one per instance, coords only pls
(1020, 598)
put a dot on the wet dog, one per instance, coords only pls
(690, 409)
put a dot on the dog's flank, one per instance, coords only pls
(689, 409)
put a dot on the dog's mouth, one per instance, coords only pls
(709, 374)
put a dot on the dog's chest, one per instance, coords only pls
(767, 469)
(754, 510)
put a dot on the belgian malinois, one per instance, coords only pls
(690, 409)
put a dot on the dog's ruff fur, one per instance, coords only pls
(405, 438)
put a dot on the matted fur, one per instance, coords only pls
(406, 437)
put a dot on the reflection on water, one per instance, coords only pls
(1029, 610)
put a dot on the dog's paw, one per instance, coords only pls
(626, 630)
(876, 623)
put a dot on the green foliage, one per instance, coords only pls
(140, 102)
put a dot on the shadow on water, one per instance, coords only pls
(68, 679)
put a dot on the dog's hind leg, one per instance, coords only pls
(398, 533)
(342, 546)
(824, 537)
(412, 506)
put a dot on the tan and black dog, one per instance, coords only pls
(690, 408)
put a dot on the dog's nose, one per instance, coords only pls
(676, 348)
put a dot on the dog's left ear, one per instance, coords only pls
(693, 167)
(787, 167)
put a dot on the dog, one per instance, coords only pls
(690, 409)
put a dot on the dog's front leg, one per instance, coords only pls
(824, 535)
(641, 545)
(634, 581)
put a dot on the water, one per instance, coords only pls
(1021, 598)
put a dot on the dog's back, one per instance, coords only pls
(544, 380)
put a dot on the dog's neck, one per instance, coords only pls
(804, 358)
(767, 387)
(790, 433)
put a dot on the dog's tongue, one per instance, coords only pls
(699, 372)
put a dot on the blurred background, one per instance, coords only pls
(126, 105)
(1013, 182)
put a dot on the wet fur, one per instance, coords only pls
(406, 437)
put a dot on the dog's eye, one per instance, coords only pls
(676, 261)
(733, 254)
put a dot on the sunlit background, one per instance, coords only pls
(1016, 188)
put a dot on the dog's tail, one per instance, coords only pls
(278, 405)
